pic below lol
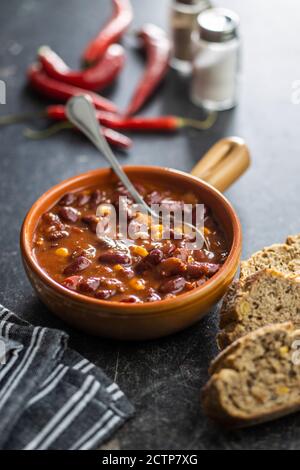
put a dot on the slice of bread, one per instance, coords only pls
(256, 379)
(284, 257)
(294, 242)
(265, 297)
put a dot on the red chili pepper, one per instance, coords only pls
(61, 91)
(116, 139)
(158, 49)
(170, 123)
(111, 33)
(136, 123)
(93, 78)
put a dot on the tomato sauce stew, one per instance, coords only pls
(67, 248)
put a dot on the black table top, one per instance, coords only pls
(162, 378)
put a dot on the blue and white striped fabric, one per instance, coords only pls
(51, 397)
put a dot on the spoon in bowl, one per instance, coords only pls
(81, 113)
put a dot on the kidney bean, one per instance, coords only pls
(83, 199)
(88, 252)
(97, 197)
(131, 299)
(154, 198)
(104, 294)
(112, 284)
(153, 296)
(52, 219)
(196, 269)
(92, 222)
(172, 286)
(72, 282)
(68, 199)
(168, 248)
(181, 253)
(204, 255)
(152, 259)
(89, 285)
(106, 242)
(53, 234)
(171, 267)
(79, 264)
(155, 256)
(69, 214)
(128, 273)
(122, 191)
(114, 257)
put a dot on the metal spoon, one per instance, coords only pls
(81, 112)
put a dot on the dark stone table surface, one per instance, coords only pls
(162, 378)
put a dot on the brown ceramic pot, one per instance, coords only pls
(222, 165)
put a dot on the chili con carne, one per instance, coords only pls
(67, 247)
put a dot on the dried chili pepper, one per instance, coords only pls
(94, 78)
(158, 49)
(61, 91)
(111, 33)
(113, 121)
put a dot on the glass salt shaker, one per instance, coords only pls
(184, 15)
(216, 60)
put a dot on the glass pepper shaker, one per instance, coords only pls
(216, 60)
(184, 15)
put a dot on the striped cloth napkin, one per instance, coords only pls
(51, 397)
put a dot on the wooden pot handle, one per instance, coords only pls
(224, 163)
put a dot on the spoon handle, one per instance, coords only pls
(81, 112)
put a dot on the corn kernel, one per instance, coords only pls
(64, 252)
(139, 250)
(118, 267)
(207, 231)
(282, 390)
(137, 284)
(283, 350)
(190, 259)
(156, 232)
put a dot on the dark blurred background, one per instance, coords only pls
(163, 378)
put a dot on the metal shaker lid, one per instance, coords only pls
(202, 4)
(218, 24)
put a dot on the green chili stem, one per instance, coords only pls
(36, 134)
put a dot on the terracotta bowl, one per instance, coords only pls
(133, 321)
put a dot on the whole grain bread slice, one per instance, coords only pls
(256, 379)
(294, 242)
(263, 298)
(284, 257)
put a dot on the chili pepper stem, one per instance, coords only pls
(36, 134)
(195, 124)
(21, 117)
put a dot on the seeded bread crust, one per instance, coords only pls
(294, 240)
(263, 298)
(284, 257)
(255, 379)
